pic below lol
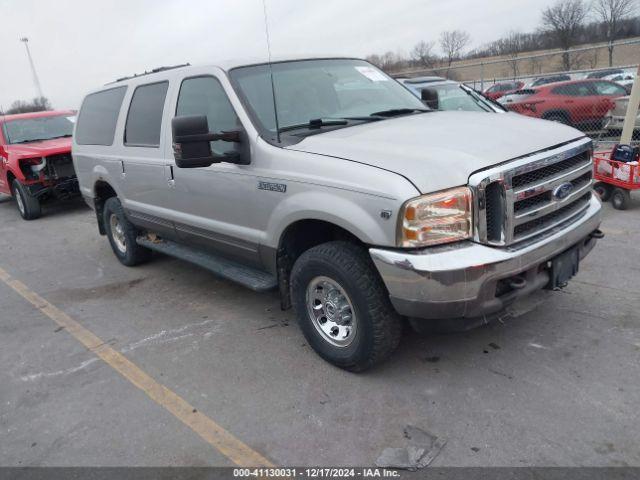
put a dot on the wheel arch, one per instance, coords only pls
(102, 191)
(558, 111)
(298, 237)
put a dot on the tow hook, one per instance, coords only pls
(597, 234)
(517, 283)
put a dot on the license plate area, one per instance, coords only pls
(563, 268)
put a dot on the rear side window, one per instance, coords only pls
(609, 88)
(98, 117)
(145, 115)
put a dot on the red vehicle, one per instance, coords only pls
(580, 103)
(503, 88)
(615, 179)
(35, 159)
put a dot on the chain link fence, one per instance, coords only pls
(577, 87)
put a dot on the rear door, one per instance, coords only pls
(577, 99)
(142, 161)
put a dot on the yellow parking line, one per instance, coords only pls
(222, 440)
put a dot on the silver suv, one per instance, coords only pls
(330, 181)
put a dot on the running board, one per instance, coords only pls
(249, 277)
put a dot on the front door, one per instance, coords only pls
(211, 204)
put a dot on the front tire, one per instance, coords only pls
(559, 118)
(28, 205)
(343, 307)
(122, 235)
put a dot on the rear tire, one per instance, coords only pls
(122, 235)
(28, 205)
(603, 190)
(620, 198)
(342, 306)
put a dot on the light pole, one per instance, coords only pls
(36, 81)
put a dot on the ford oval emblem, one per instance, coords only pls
(563, 191)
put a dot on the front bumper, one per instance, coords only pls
(468, 280)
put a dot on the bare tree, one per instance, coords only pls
(564, 20)
(611, 12)
(422, 53)
(452, 43)
(511, 46)
(38, 104)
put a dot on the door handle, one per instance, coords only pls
(171, 181)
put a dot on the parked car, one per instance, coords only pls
(450, 95)
(614, 120)
(497, 90)
(35, 159)
(538, 82)
(625, 79)
(358, 212)
(605, 73)
(580, 103)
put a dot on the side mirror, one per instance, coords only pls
(430, 98)
(191, 142)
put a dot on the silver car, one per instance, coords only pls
(329, 181)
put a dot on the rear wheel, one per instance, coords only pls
(342, 306)
(122, 235)
(28, 205)
(620, 198)
(603, 190)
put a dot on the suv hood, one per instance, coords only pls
(40, 149)
(439, 150)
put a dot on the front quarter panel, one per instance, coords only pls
(361, 199)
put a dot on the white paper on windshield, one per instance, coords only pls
(372, 74)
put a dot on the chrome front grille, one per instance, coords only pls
(528, 196)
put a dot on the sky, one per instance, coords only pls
(78, 45)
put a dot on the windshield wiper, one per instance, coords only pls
(315, 123)
(393, 112)
(30, 140)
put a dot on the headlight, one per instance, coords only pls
(436, 218)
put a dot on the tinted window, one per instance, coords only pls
(607, 88)
(98, 117)
(145, 115)
(574, 90)
(205, 96)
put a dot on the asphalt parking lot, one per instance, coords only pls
(559, 386)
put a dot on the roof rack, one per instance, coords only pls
(155, 70)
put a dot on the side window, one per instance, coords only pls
(98, 117)
(606, 88)
(205, 96)
(145, 115)
(564, 90)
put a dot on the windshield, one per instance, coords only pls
(454, 97)
(35, 129)
(319, 89)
